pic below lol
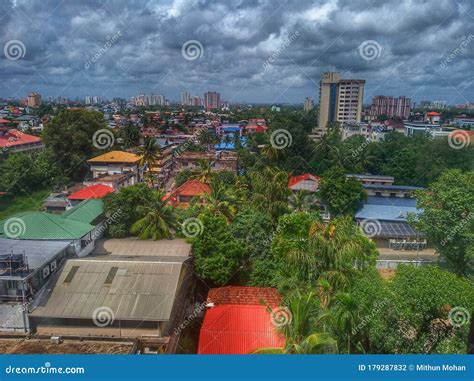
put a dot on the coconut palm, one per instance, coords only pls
(158, 218)
(301, 331)
(333, 251)
(301, 201)
(270, 191)
(345, 317)
(221, 200)
(204, 171)
(149, 153)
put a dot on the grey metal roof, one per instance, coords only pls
(142, 288)
(136, 247)
(37, 252)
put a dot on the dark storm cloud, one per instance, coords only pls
(250, 49)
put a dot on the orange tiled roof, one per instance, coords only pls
(296, 179)
(15, 138)
(244, 295)
(115, 157)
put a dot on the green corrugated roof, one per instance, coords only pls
(86, 211)
(42, 225)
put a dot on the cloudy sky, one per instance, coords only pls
(251, 50)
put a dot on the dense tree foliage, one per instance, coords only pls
(22, 173)
(69, 136)
(343, 195)
(448, 219)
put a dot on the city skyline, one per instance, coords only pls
(249, 52)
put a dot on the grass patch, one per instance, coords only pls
(10, 204)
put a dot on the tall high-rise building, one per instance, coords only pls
(34, 100)
(185, 98)
(390, 106)
(308, 104)
(212, 99)
(340, 100)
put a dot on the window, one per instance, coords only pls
(53, 266)
(11, 284)
(45, 272)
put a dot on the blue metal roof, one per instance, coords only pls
(392, 187)
(385, 212)
(394, 201)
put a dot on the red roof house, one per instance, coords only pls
(307, 182)
(187, 191)
(93, 191)
(18, 141)
(239, 321)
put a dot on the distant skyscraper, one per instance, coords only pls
(308, 104)
(185, 98)
(340, 100)
(212, 100)
(389, 106)
(439, 104)
(34, 100)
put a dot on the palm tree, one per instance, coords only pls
(345, 317)
(272, 153)
(333, 251)
(149, 154)
(270, 191)
(204, 171)
(301, 201)
(300, 333)
(158, 218)
(221, 201)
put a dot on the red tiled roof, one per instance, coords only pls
(3, 121)
(93, 191)
(433, 113)
(244, 295)
(238, 329)
(190, 188)
(14, 138)
(297, 179)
